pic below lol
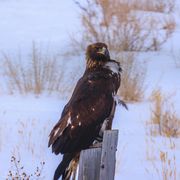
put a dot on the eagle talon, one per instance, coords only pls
(96, 145)
(98, 139)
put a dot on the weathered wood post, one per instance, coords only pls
(99, 163)
(89, 164)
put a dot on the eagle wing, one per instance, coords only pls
(82, 117)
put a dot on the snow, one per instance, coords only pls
(26, 120)
(47, 22)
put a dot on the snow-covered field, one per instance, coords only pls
(26, 120)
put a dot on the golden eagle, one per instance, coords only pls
(89, 111)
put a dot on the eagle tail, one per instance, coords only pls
(67, 166)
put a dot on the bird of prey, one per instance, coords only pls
(89, 111)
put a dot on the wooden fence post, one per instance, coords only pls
(99, 163)
(108, 155)
(89, 164)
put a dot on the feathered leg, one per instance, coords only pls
(60, 170)
(72, 168)
(67, 166)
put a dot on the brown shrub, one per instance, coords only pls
(126, 26)
(164, 121)
(37, 74)
(18, 171)
(133, 75)
(163, 162)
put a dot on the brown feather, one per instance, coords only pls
(91, 104)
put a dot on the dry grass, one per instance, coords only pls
(171, 124)
(168, 165)
(163, 162)
(133, 76)
(25, 134)
(154, 5)
(37, 74)
(164, 120)
(150, 149)
(18, 171)
(126, 25)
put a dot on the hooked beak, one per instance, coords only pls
(103, 51)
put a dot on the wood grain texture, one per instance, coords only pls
(108, 155)
(89, 165)
(99, 163)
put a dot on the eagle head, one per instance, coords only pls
(97, 54)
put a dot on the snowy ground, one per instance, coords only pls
(26, 120)
(46, 22)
